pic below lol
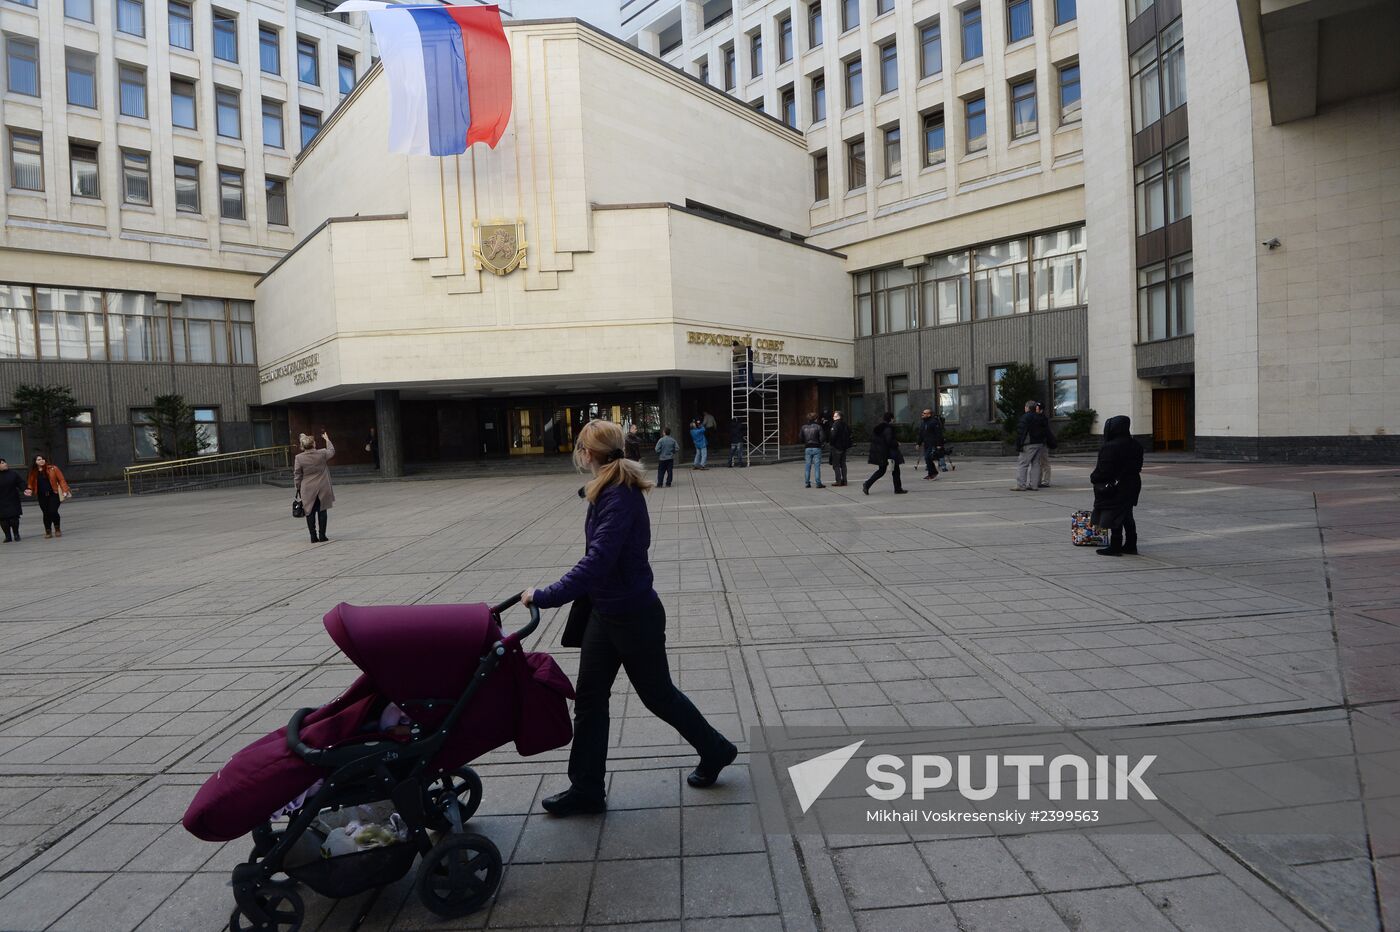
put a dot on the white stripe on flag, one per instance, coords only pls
(401, 50)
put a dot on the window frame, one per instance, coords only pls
(787, 45)
(266, 32)
(125, 72)
(91, 12)
(344, 60)
(280, 106)
(815, 25)
(89, 427)
(303, 42)
(970, 23)
(1051, 380)
(31, 57)
(232, 179)
(933, 28)
(1012, 7)
(939, 384)
(1017, 95)
(1073, 111)
(269, 181)
(15, 136)
(93, 157)
(925, 124)
(730, 66)
(1176, 183)
(968, 139)
(302, 124)
(1060, 18)
(186, 19)
(889, 67)
(127, 4)
(853, 82)
(893, 166)
(212, 425)
(891, 391)
(193, 172)
(856, 164)
(128, 157)
(994, 389)
(756, 53)
(817, 85)
(821, 176)
(222, 97)
(193, 99)
(787, 104)
(223, 24)
(83, 64)
(149, 428)
(850, 15)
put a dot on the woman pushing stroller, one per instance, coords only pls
(626, 625)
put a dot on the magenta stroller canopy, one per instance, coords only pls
(414, 653)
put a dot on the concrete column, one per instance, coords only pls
(668, 390)
(390, 431)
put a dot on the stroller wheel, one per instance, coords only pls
(281, 905)
(459, 875)
(465, 785)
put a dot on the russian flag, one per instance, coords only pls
(449, 77)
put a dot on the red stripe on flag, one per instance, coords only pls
(488, 71)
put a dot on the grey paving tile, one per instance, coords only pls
(1014, 914)
(1151, 857)
(542, 894)
(931, 918)
(975, 868)
(728, 885)
(641, 833)
(120, 904)
(1063, 861)
(42, 899)
(1197, 904)
(635, 891)
(888, 875)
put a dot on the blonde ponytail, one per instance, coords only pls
(601, 441)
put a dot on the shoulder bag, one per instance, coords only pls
(298, 509)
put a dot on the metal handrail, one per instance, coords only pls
(215, 467)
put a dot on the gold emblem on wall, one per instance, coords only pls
(500, 245)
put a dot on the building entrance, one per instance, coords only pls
(1169, 418)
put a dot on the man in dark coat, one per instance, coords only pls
(1117, 479)
(840, 442)
(12, 486)
(738, 439)
(884, 449)
(931, 441)
(1032, 434)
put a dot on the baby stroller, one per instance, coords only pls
(458, 688)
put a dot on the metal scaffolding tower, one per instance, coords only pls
(754, 391)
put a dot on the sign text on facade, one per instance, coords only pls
(766, 351)
(302, 370)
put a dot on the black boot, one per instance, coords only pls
(572, 802)
(707, 772)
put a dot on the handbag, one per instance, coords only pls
(298, 509)
(579, 614)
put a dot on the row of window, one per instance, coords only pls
(1062, 391)
(131, 20)
(76, 324)
(1024, 123)
(1166, 300)
(994, 280)
(1157, 76)
(85, 179)
(81, 435)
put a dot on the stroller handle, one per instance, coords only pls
(524, 632)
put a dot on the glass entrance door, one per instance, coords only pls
(526, 431)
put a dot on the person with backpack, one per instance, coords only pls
(1117, 479)
(666, 450)
(884, 450)
(840, 443)
(811, 436)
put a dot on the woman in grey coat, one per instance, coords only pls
(311, 475)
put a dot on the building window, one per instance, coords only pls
(136, 177)
(892, 158)
(277, 202)
(187, 187)
(972, 33)
(131, 82)
(78, 9)
(976, 123)
(241, 321)
(702, 69)
(70, 324)
(82, 162)
(1152, 303)
(1001, 279)
(1023, 115)
(756, 54)
(1064, 387)
(855, 164)
(883, 6)
(788, 102)
(757, 104)
(814, 25)
(897, 395)
(206, 421)
(1137, 7)
(345, 71)
(855, 87)
(261, 419)
(26, 161)
(182, 106)
(949, 399)
(22, 66)
(1183, 295)
(850, 14)
(894, 291)
(231, 194)
(308, 70)
(138, 329)
(272, 123)
(82, 441)
(1150, 187)
(818, 98)
(226, 113)
(145, 436)
(946, 289)
(82, 79)
(1144, 86)
(225, 36)
(1018, 20)
(1178, 185)
(131, 17)
(1066, 11)
(16, 336)
(310, 126)
(933, 138)
(1069, 94)
(269, 50)
(730, 67)
(181, 19)
(995, 376)
(199, 329)
(820, 185)
(930, 50)
(716, 10)
(11, 431)
(889, 68)
(1058, 269)
(1173, 67)
(864, 304)
(785, 40)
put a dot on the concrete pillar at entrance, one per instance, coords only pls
(390, 431)
(668, 391)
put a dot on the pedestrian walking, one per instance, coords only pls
(1050, 444)
(884, 451)
(738, 439)
(702, 444)
(944, 464)
(811, 436)
(1032, 433)
(625, 627)
(931, 441)
(46, 483)
(632, 446)
(1117, 479)
(311, 476)
(12, 490)
(372, 446)
(666, 449)
(840, 443)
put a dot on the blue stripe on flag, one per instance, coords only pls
(445, 66)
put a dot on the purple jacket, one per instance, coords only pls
(614, 570)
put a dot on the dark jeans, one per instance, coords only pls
(931, 460)
(316, 516)
(894, 474)
(736, 453)
(1124, 534)
(636, 642)
(665, 471)
(48, 504)
(10, 526)
(838, 465)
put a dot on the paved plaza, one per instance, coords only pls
(163, 633)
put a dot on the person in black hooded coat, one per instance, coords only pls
(884, 450)
(1117, 479)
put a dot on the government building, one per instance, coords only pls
(1187, 211)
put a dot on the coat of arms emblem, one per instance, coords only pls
(499, 246)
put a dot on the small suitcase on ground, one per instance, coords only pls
(1084, 534)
